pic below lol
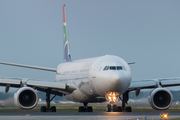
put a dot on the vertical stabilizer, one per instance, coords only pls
(67, 56)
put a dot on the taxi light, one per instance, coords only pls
(112, 97)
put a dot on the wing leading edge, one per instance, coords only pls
(154, 83)
(30, 66)
(57, 87)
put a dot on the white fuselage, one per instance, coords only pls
(95, 77)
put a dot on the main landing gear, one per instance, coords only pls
(85, 108)
(48, 108)
(122, 108)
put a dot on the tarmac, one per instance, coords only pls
(86, 116)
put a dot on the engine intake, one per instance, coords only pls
(160, 99)
(26, 98)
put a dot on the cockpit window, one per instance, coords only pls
(106, 68)
(112, 67)
(124, 68)
(119, 68)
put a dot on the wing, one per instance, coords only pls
(144, 84)
(129, 63)
(57, 87)
(30, 66)
(154, 83)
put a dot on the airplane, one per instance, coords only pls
(91, 80)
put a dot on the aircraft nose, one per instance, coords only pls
(118, 82)
(115, 77)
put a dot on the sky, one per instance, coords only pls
(147, 32)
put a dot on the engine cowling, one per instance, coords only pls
(160, 99)
(26, 98)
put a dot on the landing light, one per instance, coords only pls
(112, 97)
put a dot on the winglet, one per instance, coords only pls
(67, 56)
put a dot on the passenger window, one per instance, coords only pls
(119, 68)
(112, 67)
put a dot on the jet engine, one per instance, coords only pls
(160, 99)
(26, 98)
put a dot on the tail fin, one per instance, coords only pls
(67, 56)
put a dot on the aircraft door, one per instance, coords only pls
(95, 69)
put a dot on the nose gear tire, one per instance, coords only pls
(108, 108)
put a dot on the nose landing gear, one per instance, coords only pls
(113, 107)
(123, 108)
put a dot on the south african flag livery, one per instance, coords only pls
(67, 56)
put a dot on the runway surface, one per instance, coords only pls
(85, 116)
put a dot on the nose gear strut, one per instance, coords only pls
(123, 108)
